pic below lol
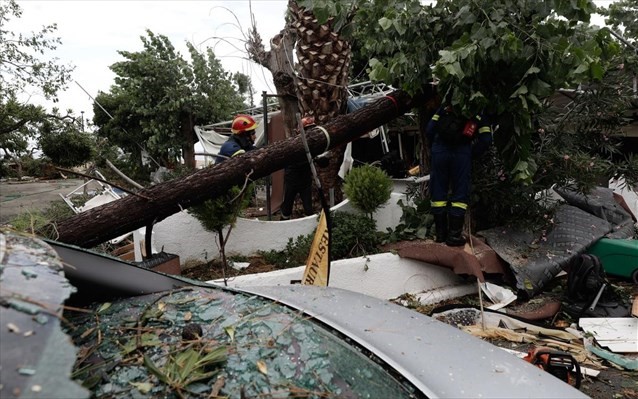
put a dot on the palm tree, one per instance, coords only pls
(317, 83)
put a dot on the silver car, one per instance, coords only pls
(136, 333)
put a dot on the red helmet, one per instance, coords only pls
(308, 121)
(243, 123)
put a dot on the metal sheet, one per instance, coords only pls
(102, 277)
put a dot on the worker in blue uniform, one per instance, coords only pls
(298, 180)
(454, 140)
(241, 140)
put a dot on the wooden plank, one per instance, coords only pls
(128, 256)
(123, 249)
(634, 307)
(619, 334)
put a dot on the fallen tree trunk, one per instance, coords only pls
(111, 220)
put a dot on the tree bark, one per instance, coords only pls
(111, 220)
(279, 62)
(322, 79)
(188, 132)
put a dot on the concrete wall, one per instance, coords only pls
(183, 235)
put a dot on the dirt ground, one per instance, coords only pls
(611, 383)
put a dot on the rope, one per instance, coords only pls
(478, 281)
(325, 132)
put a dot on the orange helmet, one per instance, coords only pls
(243, 123)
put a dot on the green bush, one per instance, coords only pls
(367, 187)
(416, 222)
(218, 213)
(68, 148)
(295, 254)
(41, 168)
(353, 235)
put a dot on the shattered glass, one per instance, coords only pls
(205, 342)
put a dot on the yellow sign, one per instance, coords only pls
(318, 266)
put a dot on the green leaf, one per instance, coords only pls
(400, 28)
(187, 362)
(532, 70)
(521, 90)
(455, 70)
(155, 370)
(147, 339)
(104, 307)
(540, 88)
(582, 67)
(596, 71)
(230, 330)
(487, 42)
(322, 14)
(385, 23)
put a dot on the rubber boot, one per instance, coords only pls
(440, 225)
(455, 232)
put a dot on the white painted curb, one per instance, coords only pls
(383, 276)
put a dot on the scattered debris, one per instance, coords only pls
(618, 334)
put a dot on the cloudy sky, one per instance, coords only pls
(92, 31)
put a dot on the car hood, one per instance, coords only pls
(440, 360)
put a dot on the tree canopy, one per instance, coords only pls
(508, 59)
(159, 96)
(25, 66)
(500, 57)
(21, 64)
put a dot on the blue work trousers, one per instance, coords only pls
(450, 174)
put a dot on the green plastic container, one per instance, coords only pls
(618, 257)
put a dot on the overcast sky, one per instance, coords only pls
(92, 31)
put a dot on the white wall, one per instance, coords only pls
(183, 235)
(384, 276)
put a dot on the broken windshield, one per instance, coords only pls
(205, 342)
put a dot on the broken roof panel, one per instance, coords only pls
(536, 260)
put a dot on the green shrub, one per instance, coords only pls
(295, 254)
(218, 213)
(416, 222)
(353, 235)
(36, 167)
(368, 188)
(68, 148)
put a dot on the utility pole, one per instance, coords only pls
(82, 120)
